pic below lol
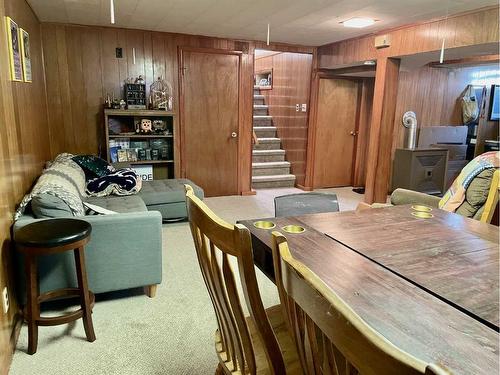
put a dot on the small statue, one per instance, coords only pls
(145, 127)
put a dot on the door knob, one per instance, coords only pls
(353, 133)
(234, 135)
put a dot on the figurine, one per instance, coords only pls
(146, 126)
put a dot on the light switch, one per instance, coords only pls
(304, 107)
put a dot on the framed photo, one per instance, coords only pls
(16, 68)
(26, 55)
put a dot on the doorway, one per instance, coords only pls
(209, 110)
(280, 118)
(343, 114)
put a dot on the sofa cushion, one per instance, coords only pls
(129, 203)
(93, 166)
(167, 191)
(47, 205)
(476, 194)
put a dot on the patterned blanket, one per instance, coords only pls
(455, 195)
(120, 182)
(62, 178)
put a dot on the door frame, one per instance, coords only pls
(313, 116)
(180, 52)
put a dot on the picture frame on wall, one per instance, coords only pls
(25, 54)
(15, 59)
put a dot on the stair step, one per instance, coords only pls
(262, 120)
(264, 156)
(265, 131)
(268, 144)
(258, 99)
(272, 181)
(258, 96)
(259, 110)
(271, 168)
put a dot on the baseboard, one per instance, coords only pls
(250, 192)
(305, 188)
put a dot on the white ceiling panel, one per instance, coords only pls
(308, 22)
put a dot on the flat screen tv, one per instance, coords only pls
(495, 103)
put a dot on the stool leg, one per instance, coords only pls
(81, 274)
(33, 308)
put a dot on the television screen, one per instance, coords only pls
(495, 103)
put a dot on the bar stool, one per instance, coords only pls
(48, 237)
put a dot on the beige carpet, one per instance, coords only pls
(169, 334)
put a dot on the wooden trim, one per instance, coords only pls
(475, 60)
(349, 69)
(305, 188)
(249, 192)
(181, 50)
(381, 130)
(413, 24)
(356, 131)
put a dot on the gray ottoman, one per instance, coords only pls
(168, 197)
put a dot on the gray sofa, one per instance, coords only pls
(125, 250)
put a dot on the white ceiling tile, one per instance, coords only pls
(309, 22)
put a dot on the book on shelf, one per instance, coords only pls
(122, 155)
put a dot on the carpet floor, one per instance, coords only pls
(169, 334)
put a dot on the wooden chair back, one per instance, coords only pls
(491, 203)
(331, 338)
(215, 242)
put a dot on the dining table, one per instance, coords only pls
(424, 278)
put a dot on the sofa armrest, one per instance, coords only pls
(125, 251)
(404, 196)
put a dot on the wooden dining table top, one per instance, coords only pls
(430, 286)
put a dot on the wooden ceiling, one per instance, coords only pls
(307, 22)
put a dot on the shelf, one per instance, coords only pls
(149, 162)
(140, 136)
(138, 112)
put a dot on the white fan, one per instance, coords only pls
(410, 122)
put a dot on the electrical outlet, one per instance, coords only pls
(5, 300)
(304, 107)
(297, 107)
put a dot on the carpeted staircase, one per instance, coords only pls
(269, 168)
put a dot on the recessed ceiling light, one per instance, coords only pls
(370, 62)
(358, 22)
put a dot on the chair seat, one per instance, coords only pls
(52, 233)
(290, 356)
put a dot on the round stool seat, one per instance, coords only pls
(52, 233)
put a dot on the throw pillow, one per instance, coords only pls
(93, 166)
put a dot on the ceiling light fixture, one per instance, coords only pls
(112, 11)
(358, 22)
(370, 62)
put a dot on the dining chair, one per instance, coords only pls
(331, 338)
(260, 343)
(305, 203)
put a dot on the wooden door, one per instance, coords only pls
(335, 132)
(209, 119)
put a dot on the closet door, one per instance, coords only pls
(335, 132)
(209, 119)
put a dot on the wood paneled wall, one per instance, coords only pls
(473, 28)
(434, 95)
(291, 86)
(24, 148)
(81, 68)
